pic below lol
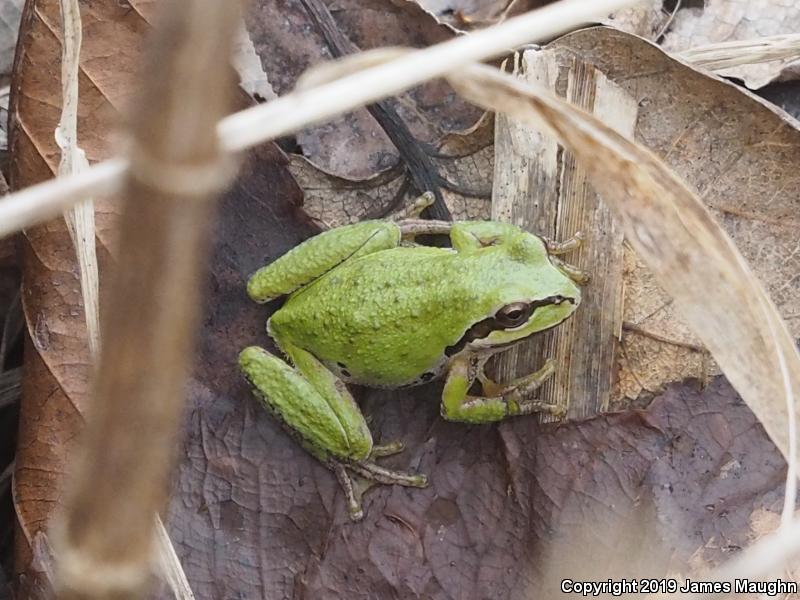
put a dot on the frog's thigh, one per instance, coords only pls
(318, 255)
(314, 404)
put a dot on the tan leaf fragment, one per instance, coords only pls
(729, 20)
(644, 19)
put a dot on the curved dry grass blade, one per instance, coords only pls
(80, 218)
(725, 55)
(675, 234)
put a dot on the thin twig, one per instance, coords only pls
(628, 326)
(668, 22)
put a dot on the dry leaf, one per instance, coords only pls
(353, 145)
(58, 365)
(508, 506)
(645, 19)
(464, 159)
(737, 152)
(728, 20)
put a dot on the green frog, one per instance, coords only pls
(368, 306)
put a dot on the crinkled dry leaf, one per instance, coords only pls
(644, 19)
(353, 145)
(58, 365)
(508, 506)
(465, 159)
(738, 152)
(57, 359)
(727, 20)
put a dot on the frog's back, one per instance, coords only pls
(385, 319)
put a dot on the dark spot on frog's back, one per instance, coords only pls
(426, 377)
(343, 369)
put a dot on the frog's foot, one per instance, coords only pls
(520, 393)
(573, 243)
(389, 449)
(414, 208)
(410, 228)
(372, 473)
(353, 502)
(577, 275)
(524, 387)
(528, 407)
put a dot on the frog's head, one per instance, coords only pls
(531, 295)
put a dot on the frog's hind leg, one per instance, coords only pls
(317, 407)
(318, 255)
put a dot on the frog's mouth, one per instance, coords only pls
(483, 329)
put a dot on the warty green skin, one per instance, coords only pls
(386, 319)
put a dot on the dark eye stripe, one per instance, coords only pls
(482, 329)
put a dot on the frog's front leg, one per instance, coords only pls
(504, 400)
(316, 407)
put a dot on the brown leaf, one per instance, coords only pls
(353, 145)
(512, 511)
(57, 360)
(465, 159)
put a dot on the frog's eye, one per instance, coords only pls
(513, 315)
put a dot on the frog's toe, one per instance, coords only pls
(387, 449)
(374, 472)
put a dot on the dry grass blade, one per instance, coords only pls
(294, 111)
(676, 236)
(745, 52)
(105, 541)
(80, 218)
